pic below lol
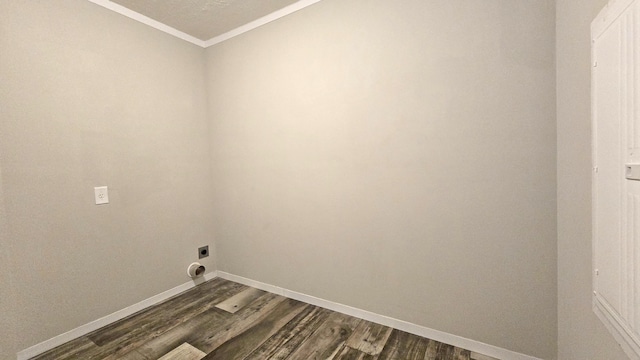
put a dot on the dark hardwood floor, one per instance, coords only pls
(224, 320)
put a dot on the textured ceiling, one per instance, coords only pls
(204, 19)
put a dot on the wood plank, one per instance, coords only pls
(164, 316)
(478, 356)
(212, 328)
(168, 319)
(166, 342)
(240, 300)
(461, 354)
(184, 352)
(264, 326)
(243, 344)
(432, 350)
(445, 352)
(239, 322)
(292, 335)
(327, 339)
(72, 350)
(440, 351)
(122, 327)
(124, 336)
(404, 346)
(132, 355)
(369, 337)
(349, 353)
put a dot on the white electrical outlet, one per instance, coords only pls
(102, 195)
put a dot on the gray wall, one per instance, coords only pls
(89, 98)
(580, 333)
(398, 161)
(396, 158)
(8, 298)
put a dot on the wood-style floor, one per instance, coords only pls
(224, 320)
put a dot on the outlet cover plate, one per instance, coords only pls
(102, 195)
(203, 252)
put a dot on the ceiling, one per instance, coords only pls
(205, 22)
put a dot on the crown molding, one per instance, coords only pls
(287, 10)
(213, 41)
(148, 21)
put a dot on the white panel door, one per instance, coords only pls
(616, 180)
(610, 168)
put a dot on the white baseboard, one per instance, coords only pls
(109, 319)
(472, 345)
